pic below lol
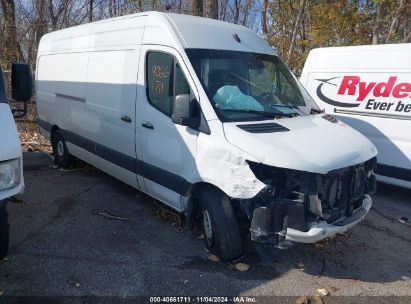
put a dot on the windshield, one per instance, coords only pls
(249, 86)
(3, 97)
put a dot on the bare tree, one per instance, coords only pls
(197, 7)
(264, 25)
(211, 9)
(236, 12)
(379, 6)
(295, 30)
(246, 10)
(396, 19)
(41, 23)
(90, 11)
(55, 14)
(112, 8)
(10, 30)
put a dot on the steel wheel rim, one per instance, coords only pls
(60, 149)
(208, 228)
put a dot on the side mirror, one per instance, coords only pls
(21, 82)
(185, 111)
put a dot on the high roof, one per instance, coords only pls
(168, 29)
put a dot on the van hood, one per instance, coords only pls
(9, 139)
(314, 143)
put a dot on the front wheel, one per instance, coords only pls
(4, 232)
(221, 231)
(62, 157)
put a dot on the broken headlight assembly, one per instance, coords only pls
(295, 198)
(9, 174)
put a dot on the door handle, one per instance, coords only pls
(147, 125)
(125, 118)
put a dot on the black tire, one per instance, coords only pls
(4, 232)
(62, 157)
(222, 236)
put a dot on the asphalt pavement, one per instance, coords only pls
(81, 233)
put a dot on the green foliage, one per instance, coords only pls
(333, 23)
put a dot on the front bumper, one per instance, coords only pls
(4, 195)
(322, 230)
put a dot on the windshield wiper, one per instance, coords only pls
(270, 114)
(316, 111)
(291, 107)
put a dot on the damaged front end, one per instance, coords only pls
(307, 207)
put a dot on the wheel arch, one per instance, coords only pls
(193, 212)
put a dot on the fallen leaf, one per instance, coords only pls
(185, 281)
(323, 292)
(1, 292)
(213, 258)
(301, 300)
(300, 265)
(316, 300)
(77, 284)
(403, 220)
(242, 267)
(206, 250)
(319, 245)
(334, 289)
(200, 237)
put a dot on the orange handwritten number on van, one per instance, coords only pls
(160, 71)
(157, 86)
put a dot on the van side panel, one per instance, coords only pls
(109, 112)
(61, 89)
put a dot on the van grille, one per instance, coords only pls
(263, 128)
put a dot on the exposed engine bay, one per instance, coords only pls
(296, 199)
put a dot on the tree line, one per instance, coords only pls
(294, 27)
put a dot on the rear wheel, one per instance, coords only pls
(221, 231)
(62, 157)
(4, 232)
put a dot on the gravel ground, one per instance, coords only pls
(62, 247)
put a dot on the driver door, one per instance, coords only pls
(167, 151)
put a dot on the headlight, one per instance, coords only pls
(9, 174)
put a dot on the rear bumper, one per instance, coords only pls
(322, 230)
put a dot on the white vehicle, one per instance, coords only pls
(369, 88)
(11, 161)
(204, 116)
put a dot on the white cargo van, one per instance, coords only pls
(369, 88)
(204, 116)
(11, 161)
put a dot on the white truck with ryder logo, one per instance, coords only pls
(369, 88)
(11, 161)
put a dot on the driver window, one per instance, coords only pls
(181, 85)
(165, 80)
